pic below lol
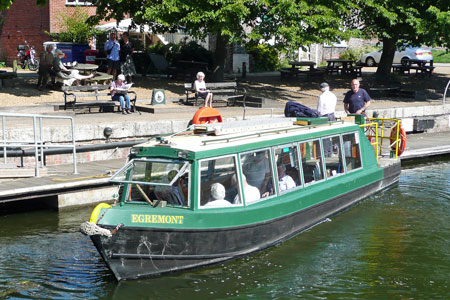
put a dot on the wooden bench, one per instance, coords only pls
(98, 95)
(227, 92)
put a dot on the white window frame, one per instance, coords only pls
(78, 3)
(275, 182)
(199, 174)
(296, 144)
(358, 137)
(342, 157)
(322, 162)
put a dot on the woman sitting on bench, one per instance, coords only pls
(118, 93)
(68, 76)
(201, 91)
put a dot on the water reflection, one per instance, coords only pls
(394, 245)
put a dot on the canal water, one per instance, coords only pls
(394, 245)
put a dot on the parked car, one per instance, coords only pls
(373, 58)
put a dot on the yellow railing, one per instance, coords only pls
(375, 130)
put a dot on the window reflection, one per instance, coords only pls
(257, 168)
(288, 170)
(352, 151)
(333, 156)
(311, 161)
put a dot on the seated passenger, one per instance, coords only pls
(251, 193)
(285, 182)
(173, 194)
(217, 196)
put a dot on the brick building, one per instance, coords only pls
(25, 21)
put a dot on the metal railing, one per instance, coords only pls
(38, 141)
(375, 131)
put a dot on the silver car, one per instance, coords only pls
(373, 58)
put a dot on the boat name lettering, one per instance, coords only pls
(163, 219)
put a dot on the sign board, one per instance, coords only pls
(158, 97)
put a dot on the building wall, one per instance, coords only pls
(27, 21)
(23, 21)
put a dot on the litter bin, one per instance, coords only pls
(90, 56)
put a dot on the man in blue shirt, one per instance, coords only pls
(112, 49)
(356, 101)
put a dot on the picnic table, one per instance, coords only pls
(86, 69)
(345, 66)
(295, 70)
(422, 67)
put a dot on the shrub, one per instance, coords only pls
(265, 57)
(355, 54)
(74, 28)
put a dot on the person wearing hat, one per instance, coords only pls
(116, 95)
(327, 102)
(69, 76)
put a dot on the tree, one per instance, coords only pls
(74, 27)
(292, 23)
(396, 22)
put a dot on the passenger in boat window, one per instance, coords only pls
(287, 159)
(311, 161)
(219, 170)
(257, 167)
(333, 156)
(217, 198)
(251, 193)
(174, 194)
(285, 182)
(351, 151)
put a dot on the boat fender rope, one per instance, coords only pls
(89, 229)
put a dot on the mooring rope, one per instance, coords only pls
(89, 229)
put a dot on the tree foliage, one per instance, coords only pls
(291, 23)
(395, 22)
(74, 28)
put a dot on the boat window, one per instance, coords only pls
(155, 181)
(218, 183)
(311, 161)
(288, 170)
(257, 171)
(352, 151)
(333, 156)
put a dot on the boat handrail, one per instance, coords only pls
(381, 125)
(270, 131)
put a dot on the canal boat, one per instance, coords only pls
(222, 191)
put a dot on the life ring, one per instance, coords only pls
(402, 137)
(96, 212)
(207, 115)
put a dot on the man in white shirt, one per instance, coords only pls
(251, 193)
(327, 102)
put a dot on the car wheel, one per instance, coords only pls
(370, 62)
(404, 60)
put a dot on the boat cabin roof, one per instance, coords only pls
(239, 134)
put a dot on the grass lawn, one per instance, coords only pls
(440, 56)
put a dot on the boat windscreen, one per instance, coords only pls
(151, 172)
